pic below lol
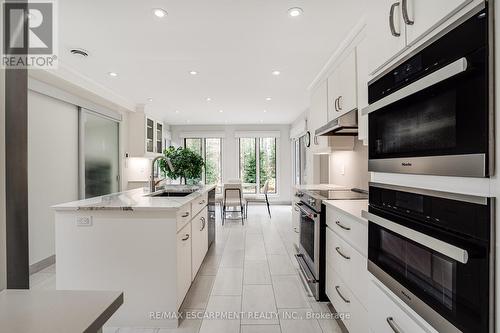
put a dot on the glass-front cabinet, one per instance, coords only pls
(150, 134)
(159, 138)
(146, 137)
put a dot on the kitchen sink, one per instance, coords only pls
(171, 194)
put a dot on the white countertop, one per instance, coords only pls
(135, 200)
(321, 187)
(28, 311)
(351, 207)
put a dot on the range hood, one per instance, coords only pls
(345, 125)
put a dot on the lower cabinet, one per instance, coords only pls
(199, 228)
(184, 241)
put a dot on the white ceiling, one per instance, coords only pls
(233, 44)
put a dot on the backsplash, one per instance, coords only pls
(350, 168)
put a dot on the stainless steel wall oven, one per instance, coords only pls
(435, 251)
(432, 114)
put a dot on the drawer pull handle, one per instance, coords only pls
(202, 223)
(337, 288)
(342, 226)
(201, 202)
(341, 254)
(186, 214)
(185, 238)
(393, 325)
(295, 229)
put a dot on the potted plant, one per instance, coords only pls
(188, 165)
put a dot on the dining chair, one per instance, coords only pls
(255, 198)
(233, 181)
(233, 198)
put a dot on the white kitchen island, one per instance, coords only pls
(148, 247)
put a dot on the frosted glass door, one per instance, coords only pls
(100, 154)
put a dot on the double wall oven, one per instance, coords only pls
(435, 251)
(432, 114)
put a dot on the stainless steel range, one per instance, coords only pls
(311, 251)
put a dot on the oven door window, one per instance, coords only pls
(449, 118)
(307, 235)
(457, 291)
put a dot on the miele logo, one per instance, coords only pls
(406, 164)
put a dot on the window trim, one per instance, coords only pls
(204, 155)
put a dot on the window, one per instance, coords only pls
(211, 150)
(256, 171)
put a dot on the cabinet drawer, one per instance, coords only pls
(199, 203)
(349, 308)
(183, 216)
(352, 230)
(382, 310)
(183, 263)
(353, 270)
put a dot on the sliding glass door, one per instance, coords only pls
(99, 154)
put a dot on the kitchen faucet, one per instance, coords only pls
(152, 183)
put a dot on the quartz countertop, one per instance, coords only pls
(136, 200)
(31, 311)
(321, 187)
(351, 207)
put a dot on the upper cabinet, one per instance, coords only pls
(342, 87)
(318, 116)
(394, 25)
(145, 135)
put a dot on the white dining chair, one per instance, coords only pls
(255, 198)
(233, 198)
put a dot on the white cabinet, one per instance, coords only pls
(145, 135)
(295, 220)
(199, 230)
(318, 114)
(342, 87)
(428, 14)
(363, 54)
(394, 25)
(183, 262)
(386, 35)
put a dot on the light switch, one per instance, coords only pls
(84, 221)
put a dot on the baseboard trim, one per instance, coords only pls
(42, 264)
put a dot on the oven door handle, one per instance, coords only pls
(303, 267)
(310, 214)
(437, 245)
(455, 68)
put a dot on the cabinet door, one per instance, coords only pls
(347, 99)
(384, 43)
(159, 138)
(428, 14)
(318, 115)
(150, 130)
(199, 227)
(363, 54)
(183, 262)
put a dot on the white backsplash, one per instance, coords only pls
(350, 168)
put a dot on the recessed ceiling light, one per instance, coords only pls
(295, 11)
(265, 111)
(113, 74)
(268, 98)
(188, 121)
(161, 13)
(209, 99)
(261, 121)
(176, 111)
(193, 72)
(276, 73)
(150, 99)
(220, 111)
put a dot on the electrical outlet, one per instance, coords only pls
(84, 221)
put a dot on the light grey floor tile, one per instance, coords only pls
(210, 265)
(327, 325)
(289, 292)
(232, 258)
(137, 330)
(298, 324)
(199, 293)
(256, 272)
(228, 282)
(110, 329)
(38, 279)
(280, 265)
(261, 329)
(258, 299)
(222, 305)
(254, 247)
(185, 326)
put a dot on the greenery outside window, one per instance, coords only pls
(211, 151)
(255, 170)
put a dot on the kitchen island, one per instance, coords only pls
(148, 245)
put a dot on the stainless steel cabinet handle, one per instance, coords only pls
(393, 325)
(406, 17)
(341, 254)
(201, 202)
(295, 229)
(337, 288)
(203, 223)
(342, 226)
(336, 105)
(391, 20)
(186, 214)
(340, 106)
(185, 238)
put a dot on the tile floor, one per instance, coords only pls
(251, 269)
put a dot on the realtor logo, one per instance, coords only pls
(29, 34)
